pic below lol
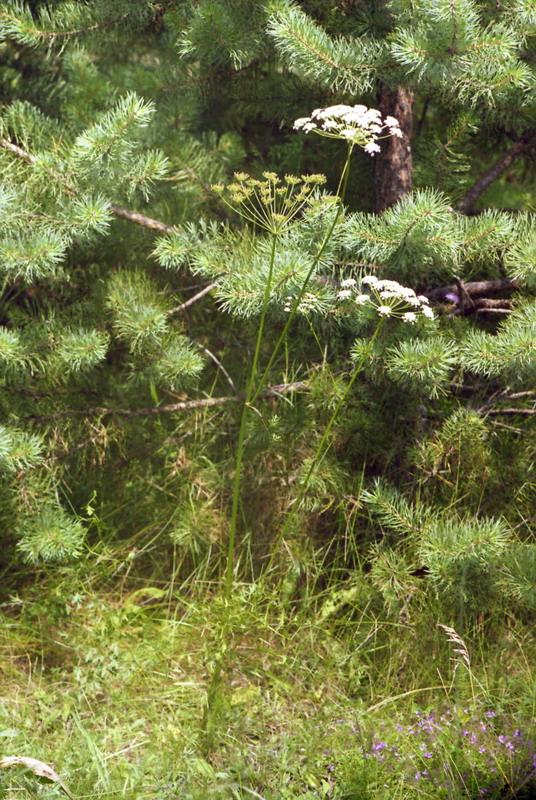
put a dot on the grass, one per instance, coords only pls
(108, 683)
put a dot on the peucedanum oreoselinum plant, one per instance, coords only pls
(272, 205)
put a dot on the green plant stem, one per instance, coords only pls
(342, 189)
(242, 432)
(251, 396)
(320, 452)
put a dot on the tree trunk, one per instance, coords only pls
(393, 168)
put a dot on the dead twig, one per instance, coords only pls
(505, 161)
(194, 299)
(525, 412)
(218, 363)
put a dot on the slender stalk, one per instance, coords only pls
(242, 432)
(252, 396)
(342, 189)
(320, 453)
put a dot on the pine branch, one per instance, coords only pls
(204, 185)
(48, 36)
(78, 31)
(20, 153)
(494, 172)
(118, 211)
(186, 405)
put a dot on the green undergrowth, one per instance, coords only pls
(115, 687)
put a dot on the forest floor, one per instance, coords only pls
(146, 693)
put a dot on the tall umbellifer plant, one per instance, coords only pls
(271, 205)
(132, 286)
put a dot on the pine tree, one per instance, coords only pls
(132, 292)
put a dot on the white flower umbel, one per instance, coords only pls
(388, 298)
(384, 311)
(401, 301)
(358, 125)
(308, 303)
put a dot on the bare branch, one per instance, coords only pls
(506, 427)
(169, 408)
(505, 161)
(193, 299)
(500, 395)
(141, 219)
(484, 305)
(18, 151)
(465, 301)
(490, 310)
(495, 397)
(527, 412)
(218, 363)
(474, 289)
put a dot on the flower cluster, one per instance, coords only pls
(458, 751)
(355, 124)
(389, 298)
(309, 302)
(272, 202)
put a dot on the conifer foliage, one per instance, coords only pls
(131, 134)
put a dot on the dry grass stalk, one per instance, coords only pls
(38, 768)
